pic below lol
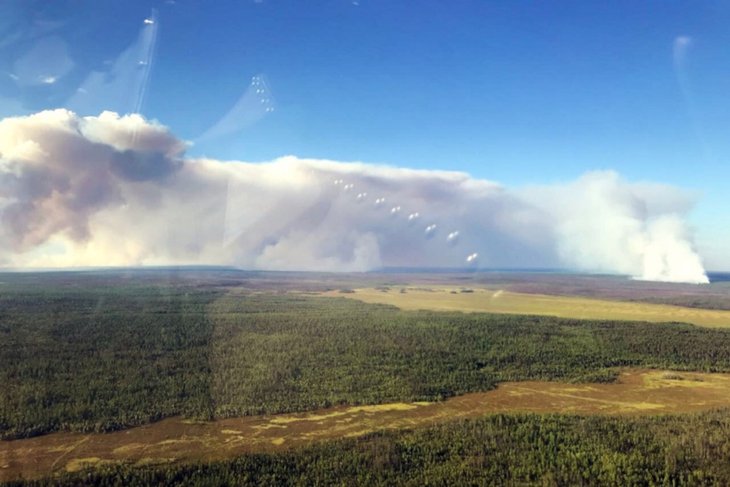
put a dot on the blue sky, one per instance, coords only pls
(516, 92)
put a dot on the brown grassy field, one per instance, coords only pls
(500, 301)
(177, 440)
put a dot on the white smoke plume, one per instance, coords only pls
(113, 190)
(603, 223)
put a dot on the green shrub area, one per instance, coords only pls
(290, 353)
(495, 450)
(88, 357)
(100, 359)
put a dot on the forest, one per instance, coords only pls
(515, 449)
(89, 357)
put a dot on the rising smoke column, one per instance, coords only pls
(111, 190)
(58, 170)
(603, 223)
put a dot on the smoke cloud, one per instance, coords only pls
(605, 224)
(118, 190)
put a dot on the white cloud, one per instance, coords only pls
(113, 190)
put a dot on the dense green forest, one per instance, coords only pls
(495, 450)
(99, 356)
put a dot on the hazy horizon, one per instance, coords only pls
(464, 137)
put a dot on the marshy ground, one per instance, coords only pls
(176, 440)
(500, 301)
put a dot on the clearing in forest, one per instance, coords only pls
(499, 301)
(179, 440)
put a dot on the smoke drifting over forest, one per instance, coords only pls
(113, 190)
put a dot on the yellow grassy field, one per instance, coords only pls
(498, 301)
(637, 392)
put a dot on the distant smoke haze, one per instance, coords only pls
(113, 190)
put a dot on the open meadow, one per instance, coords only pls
(482, 300)
(177, 440)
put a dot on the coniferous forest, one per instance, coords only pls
(495, 450)
(94, 358)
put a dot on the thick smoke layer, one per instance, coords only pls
(605, 224)
(113, 190)
(57, 171)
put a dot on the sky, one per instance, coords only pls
(520, 93)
